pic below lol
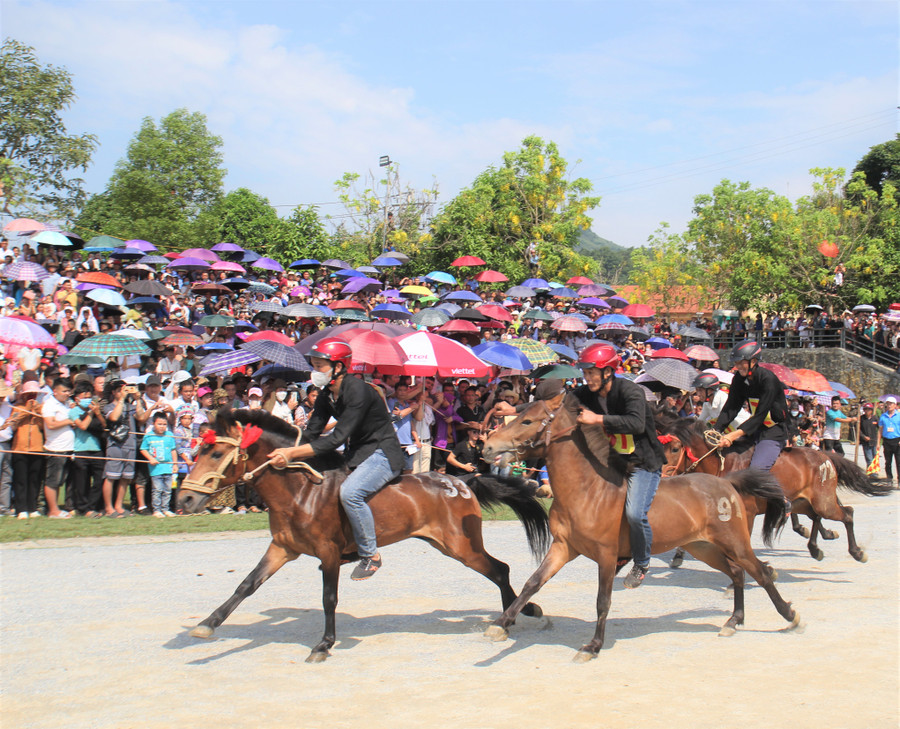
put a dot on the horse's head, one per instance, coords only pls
(528, 435)
(237, 444)
(683, 444)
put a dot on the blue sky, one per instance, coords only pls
(655, 101)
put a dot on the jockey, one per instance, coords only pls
(619, 406)
(372, 451)
(763, 391)
(713, 398)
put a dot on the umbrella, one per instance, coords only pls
(429, 354)
(148, 288)
(215, 347)
(346, 304)
(785, 374)
(564, 351)
(564, 293)
(183, 340)
(141, 334)
(102, 244)
(490, 276)
(210, 287)
(227, 248)
(557, 372)
(521, 292)
(671, 372)
(188, 263)
(244, 326)
(416, 291)
(126, 253)
(669, 353)
(367, 269)
(886, 396)
(109, 345)
(279, 354)
(865, 308)
(617, 301)
(569, 324)
(811, 381)
(25, 271)
(363, 283)
(468, 261)
(503, 355)
(51, 238)
(461, 296)
(537, 315)
(723, 376)
(201, 253)
(142, 245)
(391, 311)
(237, 283)
(495, 311)
(303, 311)
(153, 260)
(277, 372)
(593, 301)
(106, 296)
(615, 319)
(470, 315)
(402, 257)
(387, 262)
(217, 320)
(248, 256)
(335, 263)
(449, 307)
(227, 361)
(639, 311)
(23, 225)
(595, 290)
(811, 307)
(228, 266)
(701, 352)
(441, 277)
(171, 255)
(659, 342)
(24, 332)
(611, 326)
(272, 307)
(430, 318)
(694, 333)
(537, 352)
(391, 330)
(267, 264)
(458, 326)
(535, 283)
(138, 268)
(257, 287)
(579, 281)
(352, 315)
(306, 263)
(842, 390)
(638, 334)
(373, 349)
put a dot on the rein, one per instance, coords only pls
(543, 433)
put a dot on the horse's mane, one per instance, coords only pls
(668, 422)
(593, 442)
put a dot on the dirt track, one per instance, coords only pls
(94, 635)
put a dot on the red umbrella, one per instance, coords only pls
(346, 304)
(785, 374)
(98, 277)
(429, 354)
(172, 256)
(701, 352)
(639, 311)
(579, 281)
(457, 325)
(894, 307)
(271, 336)
(829, 250)
(669, 353)
(468, 261)
(495, 311)
(374, 350)
(490, 276)
(812, 381)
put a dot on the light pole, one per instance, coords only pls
(385, 161)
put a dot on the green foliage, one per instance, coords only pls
(245, 218)
(169, 177)
(614, 260)
(525, 205)
(881, 164)
(37, 156)
(667, 269)
(304, 236)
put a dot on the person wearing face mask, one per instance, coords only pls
(792, 421)
(281, 408)
(254, 398)
(363, 425)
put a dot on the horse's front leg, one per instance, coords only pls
(331, 569)
(606, 572)
(273, 560)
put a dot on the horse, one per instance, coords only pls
(305, 516)
(701, 512)
(808, 477)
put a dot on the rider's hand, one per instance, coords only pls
(589, 417)
(280, 457)
(727, 440)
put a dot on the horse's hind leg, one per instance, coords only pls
(812, 546)
(797, 527)
(831, 508)
(273, 560)
(714, 557)
(743, 556)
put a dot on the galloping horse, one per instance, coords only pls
(305, 516)
(703, 513)
(808, 477)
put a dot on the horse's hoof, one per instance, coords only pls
(583, 656)
(727, 631)
(496, 634)
(533, 611)
(676, 562)
(317, 657)
(803, 532)
(829, 534)
(860, 556)
(817, 554)
(201, 631)
(797, 625)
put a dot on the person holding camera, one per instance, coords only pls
(121, 408)
(87, 468)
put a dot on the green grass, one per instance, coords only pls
(15, 530)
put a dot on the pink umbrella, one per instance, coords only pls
(495, 311)
(227, 266)
(23, 225)
(271, 336)
(429, 354)
(142, 245)
(374, 350)
(701, 352)
(568, 324)
(579, 281)
(468, 261)
(639, 311)
(200, 253)
(24, 332)
(458, 325)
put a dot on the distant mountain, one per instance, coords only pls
(615, 260)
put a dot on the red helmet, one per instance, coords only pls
(599, 355)
(333, 349)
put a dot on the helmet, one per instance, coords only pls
(748, 349)
(598, 355)
(333, 349)
(706, 379)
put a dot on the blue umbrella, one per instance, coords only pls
(521, 292)
(441, 277)
(562, 292)
(461, 296)
(617, 319)
(449, 307)
(305, 263)
(348, 273)
(216, 347)
(144, 300)
(535, 283)
(503, 355)
(842, 390)
(659, 342)
(563, 351)
(386, 261)
(103, 249)
(391, 311)
(244, 326)
(107, 296)
(258, 287)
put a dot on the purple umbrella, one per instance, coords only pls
(201, 253)
(595, 290)
(355, 285)
(228, 266)
(267, 264)
(154, 260)
(227, 248)
(25, 271)
(619, 301)
(227, 361)
(593, 301)
(392, 294)
(188, 263)
(127, 253)
(142, 245)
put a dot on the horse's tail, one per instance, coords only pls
(518, 495)
(762, 484)
(852, 477)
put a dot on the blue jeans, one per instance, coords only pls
(868, 453)
(642, 487)
(766, 453)
(162, 490)
(367, 478)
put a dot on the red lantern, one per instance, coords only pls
(829, 250)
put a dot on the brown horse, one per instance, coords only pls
(305, 516)
(808, 477)
(703, 513)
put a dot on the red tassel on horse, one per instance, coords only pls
(209, 438)
(252, 434)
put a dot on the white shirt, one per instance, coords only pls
(59, 439)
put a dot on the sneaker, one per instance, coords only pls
(159, 515)
(367, 567)
(22, 515)
(635, 577)
(227, 510)
(35, 514)
(169, 513)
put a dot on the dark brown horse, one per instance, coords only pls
(703, 513)
(809, 478)
(305, 516)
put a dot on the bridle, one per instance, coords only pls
(543, 435)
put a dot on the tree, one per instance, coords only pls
(170, 175)
(523, 217)
(881, 164)
(244, 218)
(667, 269)
(37, 156)
(304, 236)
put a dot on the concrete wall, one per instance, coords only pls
(868, 380)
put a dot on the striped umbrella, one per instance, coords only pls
(702, 352)
(25, 271)
(258, 287)
(227, 361)
(303, 311)
(183, 340)
(272, 307)
(15, 330)
(278, 354)
(569, 324)
(109, 345)
(352, 315)
(537, 352)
